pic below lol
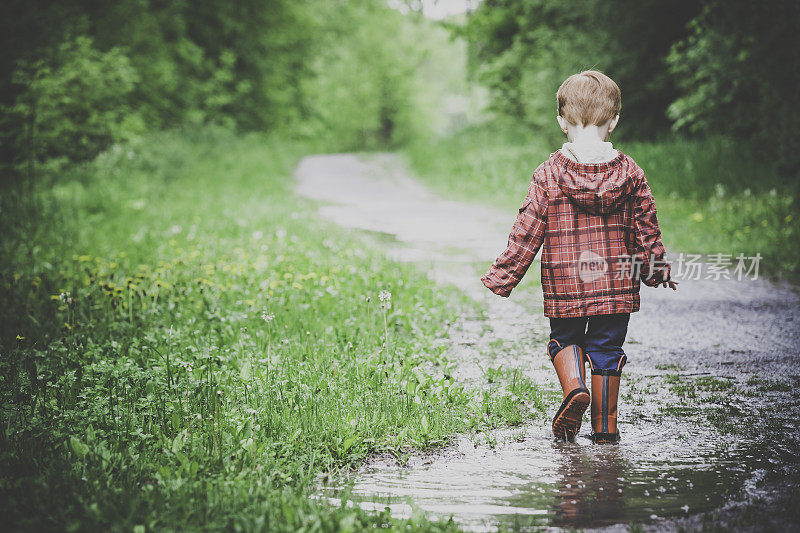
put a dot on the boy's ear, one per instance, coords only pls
(562, 123)
(613, 123)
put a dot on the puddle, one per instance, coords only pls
(533, 480)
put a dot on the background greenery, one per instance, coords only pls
(148, 222)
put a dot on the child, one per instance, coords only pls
(591, 207)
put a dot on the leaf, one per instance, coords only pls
(78, 448)
(177, 443)
(250, 446)
(348, 443)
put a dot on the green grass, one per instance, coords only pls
(141, 386)
(713, 196)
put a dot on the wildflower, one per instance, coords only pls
(65, 297)
(268, 317)
(20, 338)
(386, 299)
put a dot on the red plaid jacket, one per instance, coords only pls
(598, 228)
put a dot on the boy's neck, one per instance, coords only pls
(588, 134)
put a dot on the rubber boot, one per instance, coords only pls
(569, 363)
(605, 391)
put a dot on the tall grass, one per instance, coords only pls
(713, 195)
(186, 346)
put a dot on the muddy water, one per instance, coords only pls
(674, 467)
(533, 480)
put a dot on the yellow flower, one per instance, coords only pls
(20, 338)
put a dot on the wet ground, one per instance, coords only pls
(708, 413)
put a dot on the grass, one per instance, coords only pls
(187, 346)
(713, 196)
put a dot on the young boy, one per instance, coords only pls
(591, 208)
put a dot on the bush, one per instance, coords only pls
(73, 105)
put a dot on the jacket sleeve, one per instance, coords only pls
(650, 253)
(524, 241)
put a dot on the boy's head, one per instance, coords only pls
(589, 98)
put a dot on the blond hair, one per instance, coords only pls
(589, 98)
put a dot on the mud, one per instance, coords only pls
(704, 445)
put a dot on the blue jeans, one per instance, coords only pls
(601, 337)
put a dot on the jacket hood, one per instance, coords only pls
(598, 188)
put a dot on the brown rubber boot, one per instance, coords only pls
(605, 391)
(569, 364)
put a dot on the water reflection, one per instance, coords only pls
(591, 487)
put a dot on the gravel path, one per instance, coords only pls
(674, 467)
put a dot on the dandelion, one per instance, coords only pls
(268, 317)
(386, 300)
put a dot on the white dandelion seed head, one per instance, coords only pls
(268, 317)
(385, 296)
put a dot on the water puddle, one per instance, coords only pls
(532, 480)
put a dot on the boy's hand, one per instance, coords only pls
(672, 285)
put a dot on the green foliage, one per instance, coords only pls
(181, 350)
(364, 93)
(74, 104)
(738, 73)
(311, 69)
(523, 51)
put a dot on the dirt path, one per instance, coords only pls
(707, 365)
